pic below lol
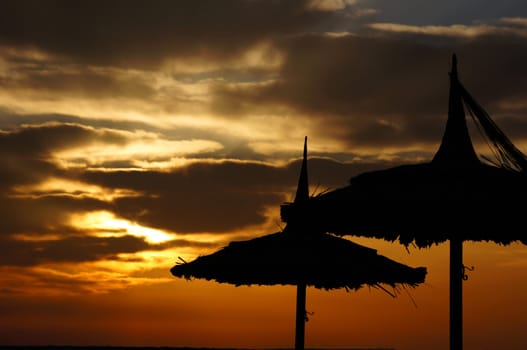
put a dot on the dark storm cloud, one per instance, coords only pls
(51, 215)
(234, 146)
(67, 249)
(218, 197)
(355, 82)
(214, 197)
(74, 81)
(418, 12)
(385, 89)
(42, 139)
(142, 33)
(201, 197)
(26, 151)
(26, 159)
(44, 215)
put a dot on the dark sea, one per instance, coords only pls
(65, 347)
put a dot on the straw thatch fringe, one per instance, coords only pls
(320, 260)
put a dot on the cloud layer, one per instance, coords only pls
(187, 118)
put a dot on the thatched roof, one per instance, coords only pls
(285, 258)
(453, 195)
(425, 205)
(300, 255)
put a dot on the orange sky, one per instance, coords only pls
(131, 135)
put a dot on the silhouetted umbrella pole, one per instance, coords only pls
(454, 198)
(302, 195)
(302, 256)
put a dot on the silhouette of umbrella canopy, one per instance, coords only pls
(302, 257)
(287, 258)
(455, 197)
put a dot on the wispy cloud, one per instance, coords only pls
(504, 26)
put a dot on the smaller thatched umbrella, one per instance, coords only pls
(300, 256)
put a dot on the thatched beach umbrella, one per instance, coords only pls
(455, 197)
(301, 256)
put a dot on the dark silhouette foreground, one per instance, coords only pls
(455, 197)
(301, 256)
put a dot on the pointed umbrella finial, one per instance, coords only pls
(456, 147)
(302, 190)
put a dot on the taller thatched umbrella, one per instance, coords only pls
(301, 256)
(455, 197)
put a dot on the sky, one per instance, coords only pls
(133, 133)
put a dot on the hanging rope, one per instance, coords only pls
(506, 153)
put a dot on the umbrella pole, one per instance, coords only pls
(300, 316)
(456, 294)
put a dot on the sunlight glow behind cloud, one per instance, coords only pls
(514, 26)
(141, 147)
(329, 5)
(59, 187)
(107, 224)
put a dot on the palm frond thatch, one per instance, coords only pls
(284, 258)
